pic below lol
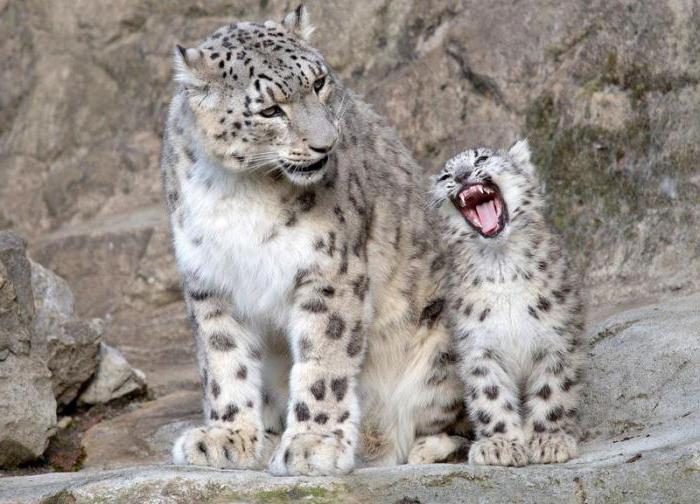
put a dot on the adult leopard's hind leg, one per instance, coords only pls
(439, 448)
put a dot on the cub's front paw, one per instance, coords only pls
(313, 454)
(552, 448)
(498, 451)
(235, 447)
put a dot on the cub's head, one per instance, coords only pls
(487, 192)
(262, 98)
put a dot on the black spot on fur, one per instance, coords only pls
(306, 201)
(335, 327)
(555, 414)
(343, 417)
(544, 392)
(305, 348)
(215, 389)
(484, 314)
(301, 410)
(500, 427)
(538, 427)
(230, 413)
(543, 304)
(339, 386)
(222, 342)
(315, 306)
(199, 295)
(533, 312)
(355, 344)
(360, 286)
(321, 418)
(483, 417)
(213, 415)
(318, 389)
(491, 392)
(242, 373)
(480, 371)
(431, 313)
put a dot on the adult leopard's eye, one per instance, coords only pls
(274, 111)
(319, 83)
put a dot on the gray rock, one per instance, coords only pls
(114, 378)
(72, 345)
(641, 410)
(27, 404)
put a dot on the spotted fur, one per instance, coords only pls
(305, 257)
(515, 314)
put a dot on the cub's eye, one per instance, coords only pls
(319, 83)
(480, 160)
(443, 177)
(274, 111)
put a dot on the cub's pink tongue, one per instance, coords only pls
(487, 216)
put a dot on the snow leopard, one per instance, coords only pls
(514, 308)
(308, 265)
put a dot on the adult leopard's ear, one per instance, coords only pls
(190, 66)
(298, 23)
(520, 154)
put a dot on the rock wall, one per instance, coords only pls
(607, 92)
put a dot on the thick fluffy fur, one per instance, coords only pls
(311, 286)
(515, 313)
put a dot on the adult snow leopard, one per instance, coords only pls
(308, 266)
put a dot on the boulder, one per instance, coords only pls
(27, 404)
(113, 379)
(72, 345)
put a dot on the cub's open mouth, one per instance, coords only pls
(308, 169)
(483, 208)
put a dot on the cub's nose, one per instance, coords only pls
(323, 149)
(462, 178)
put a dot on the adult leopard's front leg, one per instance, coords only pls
(328, 340)
(230, 361)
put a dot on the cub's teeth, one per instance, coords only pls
(463, 199)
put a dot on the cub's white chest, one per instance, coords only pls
(234, 239)
(507, 325)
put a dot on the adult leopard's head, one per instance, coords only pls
(263, 99)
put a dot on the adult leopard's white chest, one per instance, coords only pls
(234, 240)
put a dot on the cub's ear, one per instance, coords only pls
(521, 156)
(190, 66)
(298, 23)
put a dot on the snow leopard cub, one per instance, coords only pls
(514, 309)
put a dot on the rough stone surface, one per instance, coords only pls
(72, 344)
(27, 404)
(641, 411)
(113, 379)
(144, 436)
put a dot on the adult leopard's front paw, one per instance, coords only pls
(552, 448)
(498, 451)
(313, 454)
(222, 446)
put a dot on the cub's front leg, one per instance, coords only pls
(553, 390)
(493, 403)
(327, 333)
(230, 361)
